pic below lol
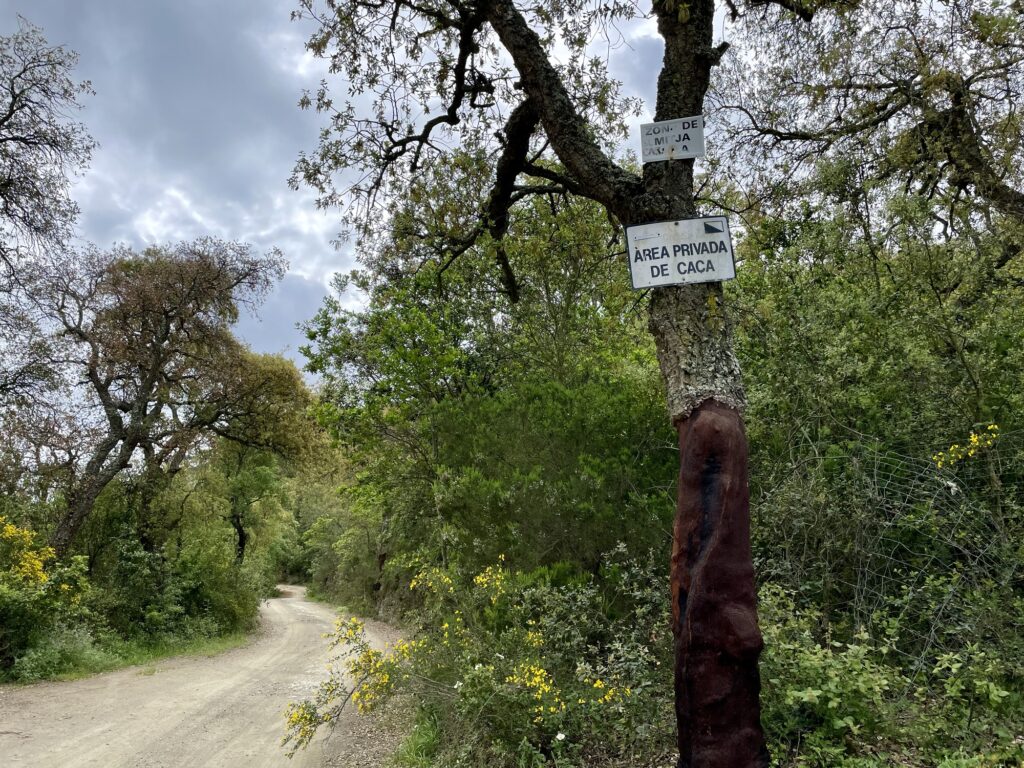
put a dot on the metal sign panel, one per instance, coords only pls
(672, 139)
(677, 252)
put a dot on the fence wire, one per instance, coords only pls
(877, 538)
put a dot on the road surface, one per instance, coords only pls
(224, 710)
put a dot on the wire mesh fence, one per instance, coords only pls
(913, 549)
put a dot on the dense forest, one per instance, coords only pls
(480, 451)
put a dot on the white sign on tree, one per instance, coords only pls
(677, 252)
(672, 139)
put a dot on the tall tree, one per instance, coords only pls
(254, 481)
(924, 94)
(243, 401)
(482, 74)
(147, 362)
(41, 148)
(898, 123)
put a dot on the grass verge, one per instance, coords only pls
(420, 746)
(70, 654)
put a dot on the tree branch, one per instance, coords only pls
(793, 6)
(520, 127)
(599, 178)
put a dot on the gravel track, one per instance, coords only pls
(224, 710)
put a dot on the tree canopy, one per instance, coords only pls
(142, 360)
(43, 147)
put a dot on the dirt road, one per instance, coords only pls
(224, 710)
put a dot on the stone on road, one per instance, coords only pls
(224, 710)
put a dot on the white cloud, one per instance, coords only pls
(173, 215)
(286, 50)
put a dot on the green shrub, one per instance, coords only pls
(64, 650)
(821, 696)
(520, 667)
(162, 596)
(556, 667)
(35, 592)
(834, 698)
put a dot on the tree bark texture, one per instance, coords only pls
(79, 506)
(714, 612)
(95, 476)
(695, 349)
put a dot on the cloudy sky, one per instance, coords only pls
(196, 118)
(195, 114)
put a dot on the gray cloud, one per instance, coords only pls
(270, 330)
(637, 65)
(195, 114)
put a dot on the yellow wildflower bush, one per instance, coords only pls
(434, 580)
(605, 693)
(493, 580)
(539, 686)
(35, 590)
(976, 443)
(303, 719)
(20, 558)
(360, 674)
(513, 665)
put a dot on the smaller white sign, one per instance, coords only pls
(677, 252)
(672, 139)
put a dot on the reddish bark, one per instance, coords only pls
(714, 611)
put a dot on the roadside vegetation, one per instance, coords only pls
(487, 459)
(510, 464)
(150, 464)
(506, 497)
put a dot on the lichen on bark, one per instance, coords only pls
(695, 351)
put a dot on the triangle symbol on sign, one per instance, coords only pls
(711, 229)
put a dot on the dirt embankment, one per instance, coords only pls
(225, 710)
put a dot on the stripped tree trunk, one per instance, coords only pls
(717, 641)
(714, 611)
(714, 614)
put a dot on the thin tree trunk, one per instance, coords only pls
(241, 538)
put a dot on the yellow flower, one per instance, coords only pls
(976, 441)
